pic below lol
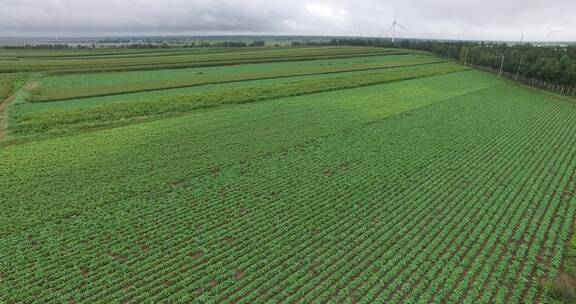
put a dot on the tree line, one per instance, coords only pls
(552, 67)
(122, 44)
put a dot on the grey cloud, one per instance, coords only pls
(487, 19)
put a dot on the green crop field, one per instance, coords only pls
(279, 175)
(178, 59)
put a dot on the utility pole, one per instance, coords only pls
(519, 66)
(501, 67)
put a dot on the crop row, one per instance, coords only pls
(351, 232)
(349, 268)
(323, 279)
(92, 167)
(502, 247)
(480, 193)
(172, 213)
(450, 251)
(364, 214)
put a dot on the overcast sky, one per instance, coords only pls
(456, 19)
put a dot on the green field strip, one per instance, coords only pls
(25, 108)
(103, 79)
(186, 83)
(133, 54)
(26, 53)
(218, 56)
(98, 116)
(47, 54)
(185, 64)
(56, 88)
(22, 107)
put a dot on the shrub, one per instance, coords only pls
(563, 288)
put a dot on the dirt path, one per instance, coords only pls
(4, 106)
(4, 116)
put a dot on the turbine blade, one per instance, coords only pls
(400, 25)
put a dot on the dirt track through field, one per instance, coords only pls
(4, 116)
(3, 110)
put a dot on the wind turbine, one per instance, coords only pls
(550, 33)
(395, 25)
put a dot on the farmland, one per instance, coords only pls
(278, 175)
